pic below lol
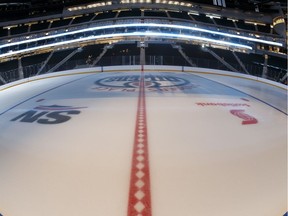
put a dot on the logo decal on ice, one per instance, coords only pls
(54, 114)
(223, 104)
(130, 83)
(247, 119)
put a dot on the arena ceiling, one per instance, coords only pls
(19, 9)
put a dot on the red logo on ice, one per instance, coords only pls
(247, 119)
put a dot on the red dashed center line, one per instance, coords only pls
(139, 203)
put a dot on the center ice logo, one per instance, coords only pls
(151, 81)
(54, 114)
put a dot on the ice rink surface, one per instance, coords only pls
(143, 143)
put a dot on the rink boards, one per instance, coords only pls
(141, 143)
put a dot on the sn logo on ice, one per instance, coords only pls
(49, 114)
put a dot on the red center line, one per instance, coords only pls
(139, 203)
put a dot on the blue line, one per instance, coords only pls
(242, 93)
(43, 93)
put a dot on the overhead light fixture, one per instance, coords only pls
(151, 34)
(212, 16)
(196, 29)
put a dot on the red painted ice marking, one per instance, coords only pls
(139, 203)
(247, 118)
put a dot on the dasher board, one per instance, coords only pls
(142, 143)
